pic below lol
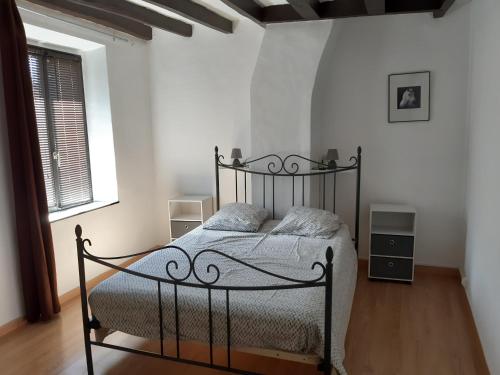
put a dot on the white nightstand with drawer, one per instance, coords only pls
(392, 242)
(188, 212)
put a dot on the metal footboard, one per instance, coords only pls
(324, 280)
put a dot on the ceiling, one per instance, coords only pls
(138, 17)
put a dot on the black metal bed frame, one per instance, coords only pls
(277, 167)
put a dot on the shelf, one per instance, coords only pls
(390, 256)
(391, 279)
(187, 213)
(392, 208)
(187, 217)
(392, 231)
(190, 199)
(387, 221)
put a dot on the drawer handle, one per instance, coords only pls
(392, 243)
(186, 226)
(390, 264)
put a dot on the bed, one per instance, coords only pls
(257, 292)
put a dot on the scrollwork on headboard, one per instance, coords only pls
(287, 166)
(291, 166)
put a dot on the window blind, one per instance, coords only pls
(35, 64)
(62, 130)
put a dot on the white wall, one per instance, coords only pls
(120, 229)
(422, 164)
(483, 200)
(10, 282)
(99, 125)
(281, 92)
(282, 86)
(128, 226)
(230, 91)
(200, 92)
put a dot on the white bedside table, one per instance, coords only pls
(392, 242)
(188, 212)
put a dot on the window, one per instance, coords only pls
(62, 127)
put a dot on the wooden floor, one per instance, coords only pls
(424, 328)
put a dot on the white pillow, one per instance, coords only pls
(308, 222)
(240, 217)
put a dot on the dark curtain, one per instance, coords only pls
(36, 252)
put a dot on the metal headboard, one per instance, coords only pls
(289, 167)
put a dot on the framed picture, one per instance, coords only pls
(409, 97)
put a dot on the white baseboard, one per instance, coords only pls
(465, 283)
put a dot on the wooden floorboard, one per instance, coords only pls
(424, 328)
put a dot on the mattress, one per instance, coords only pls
(287, 320)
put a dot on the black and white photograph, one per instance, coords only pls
(409, 97)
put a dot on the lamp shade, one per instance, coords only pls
(332, 154)
(236, 153)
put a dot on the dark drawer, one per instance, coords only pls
(400, 246)
(391, 268)
(180, 228)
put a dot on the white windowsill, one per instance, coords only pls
(64, 214)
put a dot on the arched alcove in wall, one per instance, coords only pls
(281, 92)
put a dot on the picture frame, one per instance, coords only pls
(409, 97)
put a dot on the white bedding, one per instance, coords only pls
(290, 320)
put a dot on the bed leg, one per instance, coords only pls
(80, 246)
(88, 354)
(326, 366)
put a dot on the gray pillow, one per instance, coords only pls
(308, 222)
(240, 217)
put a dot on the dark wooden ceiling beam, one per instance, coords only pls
(113, 21)
(443, 9)
(138, 13)
(326, 10)
(375, 7)
(411, 6)
(343, 9)
(307, 9)
(197, 13)
(353, 8)
(280, 13)
(247, 8)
